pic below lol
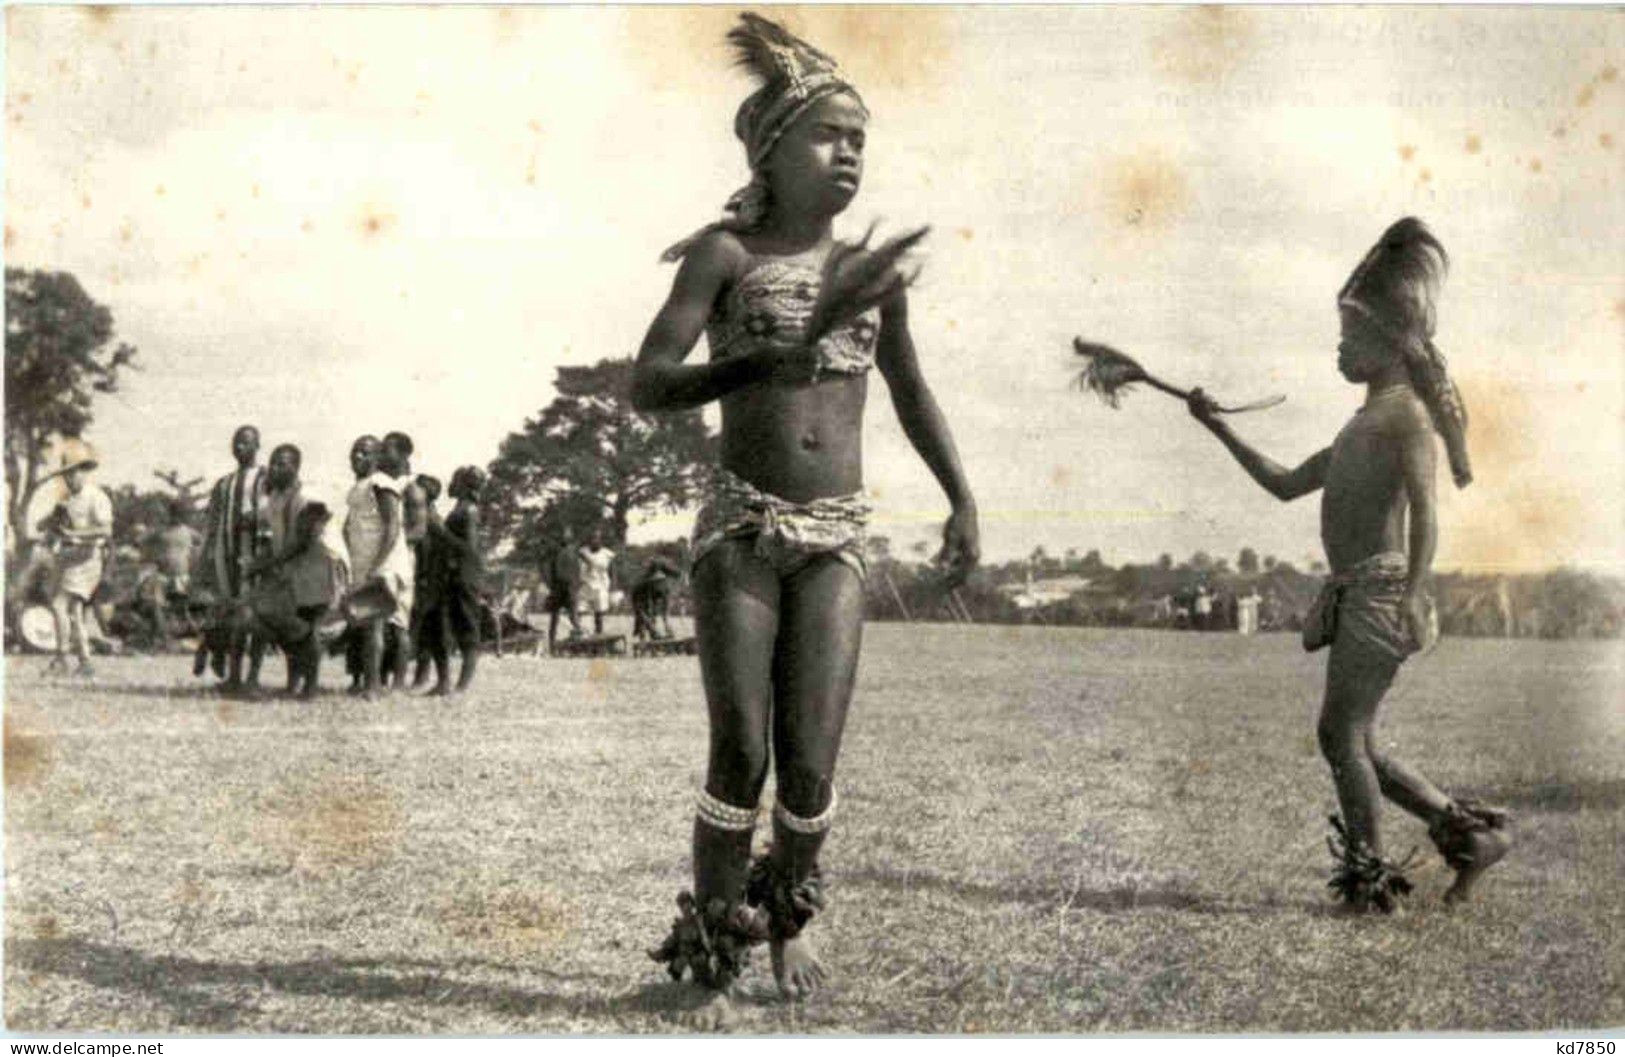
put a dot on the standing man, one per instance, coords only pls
(597, 559)
(563, 576)
(79, 530)
(233, 538)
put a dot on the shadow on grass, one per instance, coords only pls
(1597, 794)
(1057, 895)
(183, 984)
(173, 691)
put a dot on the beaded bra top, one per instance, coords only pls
(768, 307)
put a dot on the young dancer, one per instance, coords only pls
(1378, 525)
(778, 546)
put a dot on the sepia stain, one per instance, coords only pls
(1060, 477)
(514, 920)
(84, 201)
(1608, 75)
(1503, 421)
(598, 670)
(307, 226)
(1425, 176)
(530, 171)
(1145, 191)
(505, 24)
(125, 232)
(11, 236)
(226, 712)
(333, 821)
(1560, 131)
(1474, 144)
(902, 48)
(160, 191)
(1406, 152)
(27, 756)
(1587, 94)
(1605, 141)
(1205, 44)
(44, 926)
(375, 222)
(1535, 165)
(967, 233)
(99, 15)
(106, 828)
(1536, 518)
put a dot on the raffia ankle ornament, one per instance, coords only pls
(715, 945)
(1362, 879)
(789, 902)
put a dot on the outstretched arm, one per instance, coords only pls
(1277, 480)
(661, 381)
(927, 431)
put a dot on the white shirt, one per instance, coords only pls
(595, 575)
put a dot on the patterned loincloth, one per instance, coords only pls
(1365, 605)
(787, 534)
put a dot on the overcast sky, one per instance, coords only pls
(354, 220)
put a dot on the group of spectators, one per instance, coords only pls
(584, 575)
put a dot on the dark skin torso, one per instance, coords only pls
(800, 440)
(1362, 510)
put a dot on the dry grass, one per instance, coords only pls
(1042, 830)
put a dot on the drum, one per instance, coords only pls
(37, 628)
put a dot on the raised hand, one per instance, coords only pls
(1202, 407)
(857, 278)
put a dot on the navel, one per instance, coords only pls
(810, 441)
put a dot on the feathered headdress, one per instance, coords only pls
(794, 75)
(1396, 288)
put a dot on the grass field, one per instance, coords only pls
(1056, 830)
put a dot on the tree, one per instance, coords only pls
(1165, 562)
(590, 459)
(60, 352)
(1247, 561)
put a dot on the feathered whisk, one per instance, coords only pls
(1108, 372)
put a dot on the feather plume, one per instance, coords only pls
(771, 52)
(1401, 276)
(1106, 372)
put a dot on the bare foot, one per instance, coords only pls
(1489, 846)
(711, 1011)
(796, 966)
